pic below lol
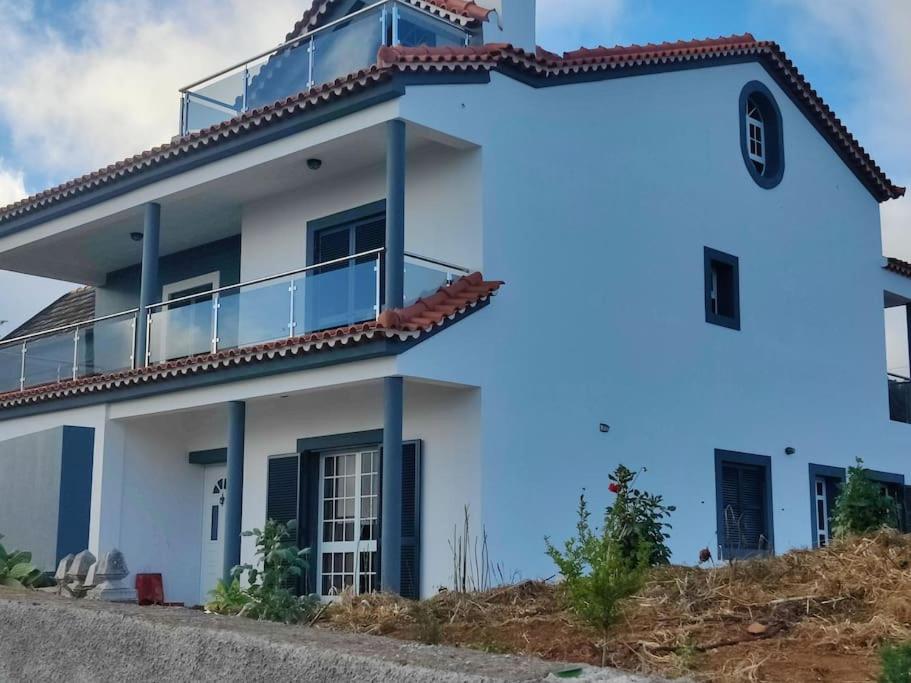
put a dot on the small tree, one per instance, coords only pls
(601, 567)
(861, 506)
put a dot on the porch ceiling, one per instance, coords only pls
(193, 215)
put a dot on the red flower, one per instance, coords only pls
(613, 488)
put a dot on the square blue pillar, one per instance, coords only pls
(234, 500)
(391, 501)
(149, 286)
(395, 214)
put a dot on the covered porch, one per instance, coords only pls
(176, 488)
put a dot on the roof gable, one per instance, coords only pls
(73, 307)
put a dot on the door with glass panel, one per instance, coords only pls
(349, 517)
(345, 292)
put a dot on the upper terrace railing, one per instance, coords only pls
(326, 295)
(341, 47)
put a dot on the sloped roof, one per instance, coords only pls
(546, 66)
(898, 266)
(449, 304)
(462, 12)
(73, 307)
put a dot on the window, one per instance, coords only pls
(185, 327)
(825, 484)
(349, 522)
(722, 289)
(744, 504)
(761, 139)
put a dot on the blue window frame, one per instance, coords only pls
(743, 491)
(761, 135)
(722, 288)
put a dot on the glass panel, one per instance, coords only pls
(253, 315)
(10, 367)
(347, 47)
(422, 280)
(416, 28)
(180, 330)
(105, 347)
(213, 533)
(335, 298)
(49, 359)
(210, 104)
(281, 75)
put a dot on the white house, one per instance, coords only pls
(289, 318)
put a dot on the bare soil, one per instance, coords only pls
(814, 615)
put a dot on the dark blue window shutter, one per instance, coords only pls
(281, 489)
(743, 500)
(411, 520)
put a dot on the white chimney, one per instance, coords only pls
(513, 22)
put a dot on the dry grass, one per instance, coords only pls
(824, 613)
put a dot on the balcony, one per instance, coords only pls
(341, 47)
(899, 398)
(323, 296)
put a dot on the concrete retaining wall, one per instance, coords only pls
(46, 638)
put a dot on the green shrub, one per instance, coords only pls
(896, 663)
(17, 570)
(279, 564)
(228, 597)
(861, 506)
(600, 567)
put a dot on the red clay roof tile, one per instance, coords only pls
(451, 302)
(462, 11)
(490, 57)
(898, 266)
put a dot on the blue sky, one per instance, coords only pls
(87, 82)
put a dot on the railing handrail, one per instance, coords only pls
(437, 262)
(267, 278)
(897, 376)
(64, 328)
(305, 36)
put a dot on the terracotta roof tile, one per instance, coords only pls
(898, 266)
(487, 57)
(464, 12)
(450, 303)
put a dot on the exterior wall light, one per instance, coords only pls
(604, 428)
(314, 164)
(790, 450)
(136, 236)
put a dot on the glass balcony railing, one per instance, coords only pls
(94, 347)
(339, 48)
(332, 294)
(899, 398)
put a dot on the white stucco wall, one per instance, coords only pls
(442, 213)
(598, 202)
(446, 421)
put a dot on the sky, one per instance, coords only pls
(84, 83)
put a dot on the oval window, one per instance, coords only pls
(761, 135)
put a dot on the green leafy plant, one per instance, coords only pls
(861, 506)
(638, 517)
(279, 563)
(17, 570)
(896, 663)
(228, 597)
(601, 567)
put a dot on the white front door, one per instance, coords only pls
(349, 517)
(214, 493)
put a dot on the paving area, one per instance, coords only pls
(47, 638)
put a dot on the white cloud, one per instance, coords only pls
(108, 88)
(12, 185)
(872, 38)
(569, 24)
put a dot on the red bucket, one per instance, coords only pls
(150, 589)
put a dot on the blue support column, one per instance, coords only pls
(237, 413)
(391, 502)
(395, 213)
(149, 285)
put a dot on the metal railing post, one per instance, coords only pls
(148, 350)
(133, 337)
(395, 24)
(246, 85)
(76, 353)
(311, 50)
(377, 307)
(383, 25)
(215, 307)
(22, 366)
(292, 287)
